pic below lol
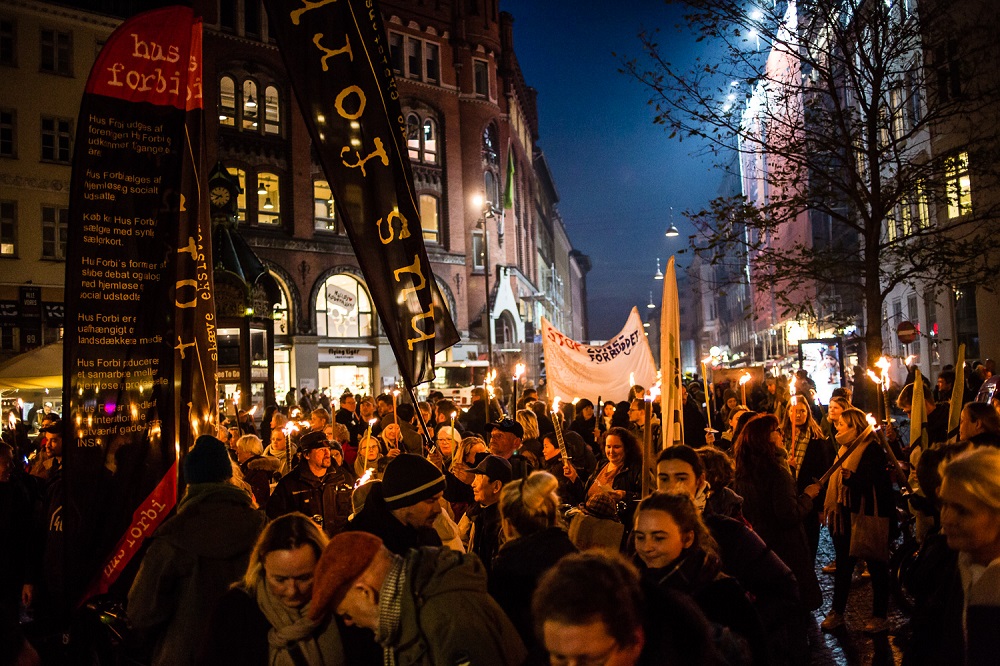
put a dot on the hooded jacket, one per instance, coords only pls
(447, 617)
(192, 560)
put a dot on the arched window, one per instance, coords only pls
(324, 212)
(241, 198)
(491, 154)
(251, 100)
(413, 136)
(227, 101)
(272, 117)
(268, 199)
(343, 308)
(490, 189)
(430, 216)
(281, 316)
(430, 141)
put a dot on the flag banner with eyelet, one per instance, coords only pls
(576, 370)
(336, 55)
(140, 353)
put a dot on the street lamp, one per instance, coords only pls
(651, 305)
(672, 231)
(659, 273)
(486, 211)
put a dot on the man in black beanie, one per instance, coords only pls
(194, 556)
(402, 512)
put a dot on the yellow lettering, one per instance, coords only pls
(415, 269)
(329, 53)
(423, 336)
(404, 228)
(339, 102)
(360, 164)
(181, 346)
(186, 283)
(191, 248)
(306, 6)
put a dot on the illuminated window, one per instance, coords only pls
(268, 199)
(430, 141)
(324, 212)
(280, 314)
(241, 199)
(251, 101)
(923, 207)
(421, 139)
(272, 119)
(343, 309)
(959, 185)
(227, 101)
(491, 153)
(478, 250)
(413, 137)
(430, 217)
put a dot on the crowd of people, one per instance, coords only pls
(385, 532)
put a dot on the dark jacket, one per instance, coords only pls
(258, 471)
(871, 484)
(936, 635)
(694, 424)
(375, 518)
(485, 533)
(447, 617)
(776, 510)
(585, 428)
(474, 421)
(237, 632)
(570, 492)
(326, 500)
(354, 425)
(720, 597)
(192, 560)
(516, 570)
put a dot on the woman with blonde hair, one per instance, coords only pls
(860, 487)
(535, 540)
(264, 619)
(810, 454)
(370, 458)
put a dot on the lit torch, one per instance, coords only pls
(744, 378)
(365, 478)
(518, 373)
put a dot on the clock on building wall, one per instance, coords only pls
(223, 192)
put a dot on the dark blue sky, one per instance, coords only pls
(616, 172)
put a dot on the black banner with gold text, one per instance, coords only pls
(139, 364)
(337, 59)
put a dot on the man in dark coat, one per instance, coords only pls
(475, 420)
(346, 415)
(402, 511)
(505, 439)
(482, 522)
(317, 487)
(694, 421)
(194, 556)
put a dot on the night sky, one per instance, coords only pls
(616, 172)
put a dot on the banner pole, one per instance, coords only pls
(428, 442)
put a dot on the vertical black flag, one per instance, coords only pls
(139, 364)
(337, 58)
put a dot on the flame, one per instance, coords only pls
(576, 400)
(744, 378)
(518, 371)
(882, 363)
(631, 379)
(871, 419)
(791, 389)
(395, 393)
(653, 391)
(20, 404)
(909, 359)
(365, 478)
(555, 404)
(253, 410)
(289, 428)
(875, 378)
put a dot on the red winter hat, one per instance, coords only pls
(344, 559)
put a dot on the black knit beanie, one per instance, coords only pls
(207, 461)
(409, 479)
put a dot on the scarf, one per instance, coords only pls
(317, 641)
(390, 609)
(836, 492)
(802, 437)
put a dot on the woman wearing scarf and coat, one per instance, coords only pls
(264, 619)
(861, 486)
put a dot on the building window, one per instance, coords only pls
(54, 232)
(8, 133)
(958, 185)
(421, 139)
(241, 198)
(948, 69)
(272, 118)
(227, 15)
(914, 110)
(227, 101)
(430, 216)
(478, 250)
(8, 43)
(282, 319)
(324, 211)
(906, 217)
(967, 319)
(890, 227)
(432, 62)
(396, 51)
(923, 207)
(56, 133)
(481, 74)
(251, 18)
(414, 58)
(491, 154)
(268, 199)
(898, 112)
(490, 188)
(8, 228)
(250, 105)
(57, 51)
(343, 309)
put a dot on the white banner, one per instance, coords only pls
(576, 370)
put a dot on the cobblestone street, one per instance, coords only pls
(848, 646)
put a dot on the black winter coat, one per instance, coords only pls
(375, 518)
(516, 570)
(326, 500)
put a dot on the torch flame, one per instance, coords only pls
(875, 378)
(365, 478)
(453, 415)
(909, 359)
(518, 371)
(372, 422)
(395, 392)
(253, 410)
(289, 428)
(555, 404)
(871, 419)
(744, 378)
(882, 363)
(653, 391)
(631, 379)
